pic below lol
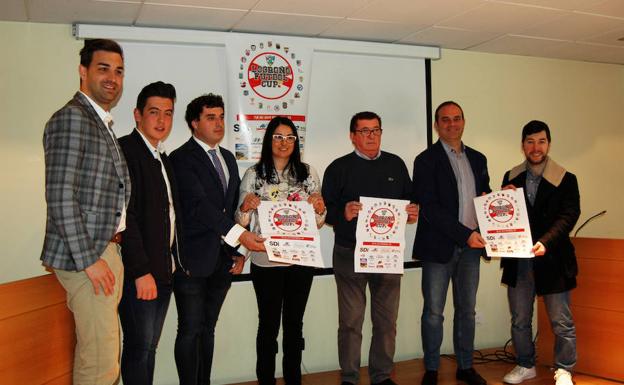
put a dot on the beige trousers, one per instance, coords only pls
(96, 358)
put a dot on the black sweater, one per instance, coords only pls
(349, 177)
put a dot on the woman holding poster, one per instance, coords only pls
(281, 290)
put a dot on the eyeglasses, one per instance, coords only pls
(284, 138)
(368, 131)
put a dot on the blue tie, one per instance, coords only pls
(219, 168)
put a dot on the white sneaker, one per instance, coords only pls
(519, 374)
(563, 377)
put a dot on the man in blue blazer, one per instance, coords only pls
(87, 192)
(447, 176)
(208, 183)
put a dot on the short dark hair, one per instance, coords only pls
(161, 89)
(92, 45)
(447, 103)
(364, 115)
(265, 168)
(533, 127)
(196, 106)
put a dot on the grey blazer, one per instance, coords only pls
(87, 184)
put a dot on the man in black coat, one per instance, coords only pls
(552, 199)
(151, 233)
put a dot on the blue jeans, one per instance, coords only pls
(463, 271)
(198, 300)
(521, 300)
(142, 322)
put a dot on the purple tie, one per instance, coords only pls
(219, 168)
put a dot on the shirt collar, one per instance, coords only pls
(155, 151)
(206, 146)
(366, 156)
(449, 149)
(104, 115)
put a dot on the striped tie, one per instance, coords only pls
(219, 167)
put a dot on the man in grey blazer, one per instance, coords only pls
(87, 192)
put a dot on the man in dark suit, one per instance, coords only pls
(208, 182)
(447, 176)
(87, 192)
(150, 234)
(553, 203)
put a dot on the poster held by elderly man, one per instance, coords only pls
(504, 224)
(380, 236)
(291, 233)
(267, 76)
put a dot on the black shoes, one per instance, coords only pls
(387, 381)
(470, 376)
(430, 378)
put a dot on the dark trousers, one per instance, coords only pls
(198, 300)
(281, 292)
(385, 291)
(142, 322)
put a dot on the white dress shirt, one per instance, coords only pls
(107, 119)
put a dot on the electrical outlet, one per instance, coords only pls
(479, 318)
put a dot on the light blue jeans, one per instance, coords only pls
(463, 271)
(521, 300)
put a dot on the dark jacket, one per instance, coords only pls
(552, 217)
(207, 215)
(435, 190)
(145, 242)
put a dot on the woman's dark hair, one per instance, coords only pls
(265, 168)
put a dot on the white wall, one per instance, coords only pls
(499, 93)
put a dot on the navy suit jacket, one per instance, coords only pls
(207, 214)
(435, 190)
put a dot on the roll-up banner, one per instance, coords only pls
(267, 77)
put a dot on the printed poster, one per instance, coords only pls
(291, 233)
(380, 236)
(504, 224)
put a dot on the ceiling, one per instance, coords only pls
(588, 30)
